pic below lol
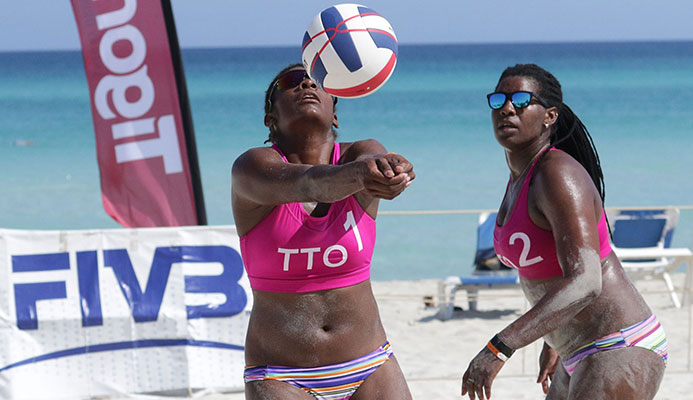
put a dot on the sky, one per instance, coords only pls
(50, 24)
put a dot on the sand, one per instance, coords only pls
(434, 353)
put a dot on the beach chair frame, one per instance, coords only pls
(648, 230)
(481, 279)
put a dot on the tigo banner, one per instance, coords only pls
(141, 145)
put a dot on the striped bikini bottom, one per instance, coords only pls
(333, 382)
(647, 334)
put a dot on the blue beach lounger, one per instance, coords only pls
(648, 231)
(489, 273)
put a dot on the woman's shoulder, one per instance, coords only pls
(350, 151)
(358, 144)
(256, 156)
(255, 151)
(558, 166)
(559, 173)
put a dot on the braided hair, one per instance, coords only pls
(270, 93)
(568, 133)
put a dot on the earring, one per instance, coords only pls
(546, 124)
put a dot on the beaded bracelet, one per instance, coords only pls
(500, 349)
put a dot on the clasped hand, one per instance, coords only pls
(387, 175)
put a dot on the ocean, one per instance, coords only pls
(633, 97)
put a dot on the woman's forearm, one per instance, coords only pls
(558, 306)
(331, 183)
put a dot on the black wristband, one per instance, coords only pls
(502, 347)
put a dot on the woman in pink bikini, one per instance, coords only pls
(305, 210)
(601, 340)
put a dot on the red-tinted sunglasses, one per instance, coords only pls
(289, 80)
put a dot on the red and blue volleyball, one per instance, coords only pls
(349, 50)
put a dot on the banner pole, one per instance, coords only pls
(186, 114)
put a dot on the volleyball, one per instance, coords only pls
(349, 50)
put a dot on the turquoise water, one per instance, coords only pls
(633, 97)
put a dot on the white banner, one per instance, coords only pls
(114, 312)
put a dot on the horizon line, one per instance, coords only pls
(281, 46)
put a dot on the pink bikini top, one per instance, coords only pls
(291, 251)
(521, 244)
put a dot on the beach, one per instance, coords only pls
(434, 112)
(434, 354)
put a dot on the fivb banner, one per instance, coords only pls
(115, 312)
(149, 176)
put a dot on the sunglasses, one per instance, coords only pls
(522, 99)
(288, 81)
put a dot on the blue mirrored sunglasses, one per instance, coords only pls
(520, 99)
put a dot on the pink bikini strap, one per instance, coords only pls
(335, 153)
(534, 164)
(278, 150)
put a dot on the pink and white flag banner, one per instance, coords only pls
(144, 163)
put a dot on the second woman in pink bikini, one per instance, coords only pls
(601, 340)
